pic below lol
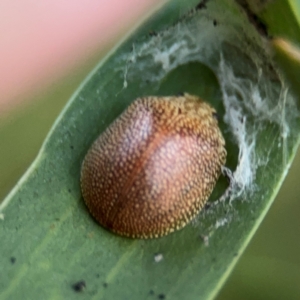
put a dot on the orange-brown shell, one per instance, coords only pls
(152, 170)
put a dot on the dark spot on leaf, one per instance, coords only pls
(72, 147)
(13, 259)
(254, 19)
(215, 115)
(151, 292)
(105, 284)
(97, 275)
(215, 23)
(152, 33)
(69, 190)
(79, 286)
(207, 205)
(201, 5)
(161, 296)
(235, 254)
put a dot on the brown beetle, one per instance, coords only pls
(152, 170)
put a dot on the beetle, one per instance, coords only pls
(153, 169)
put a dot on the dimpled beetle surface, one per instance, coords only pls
(152, 170)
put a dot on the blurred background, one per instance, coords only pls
(46, 50)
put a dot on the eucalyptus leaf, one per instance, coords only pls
(51, 248)
(288, 58)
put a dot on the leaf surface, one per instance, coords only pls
(49, 242)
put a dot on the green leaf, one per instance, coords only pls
(49, 242)
(288, 58)
(281, 18)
